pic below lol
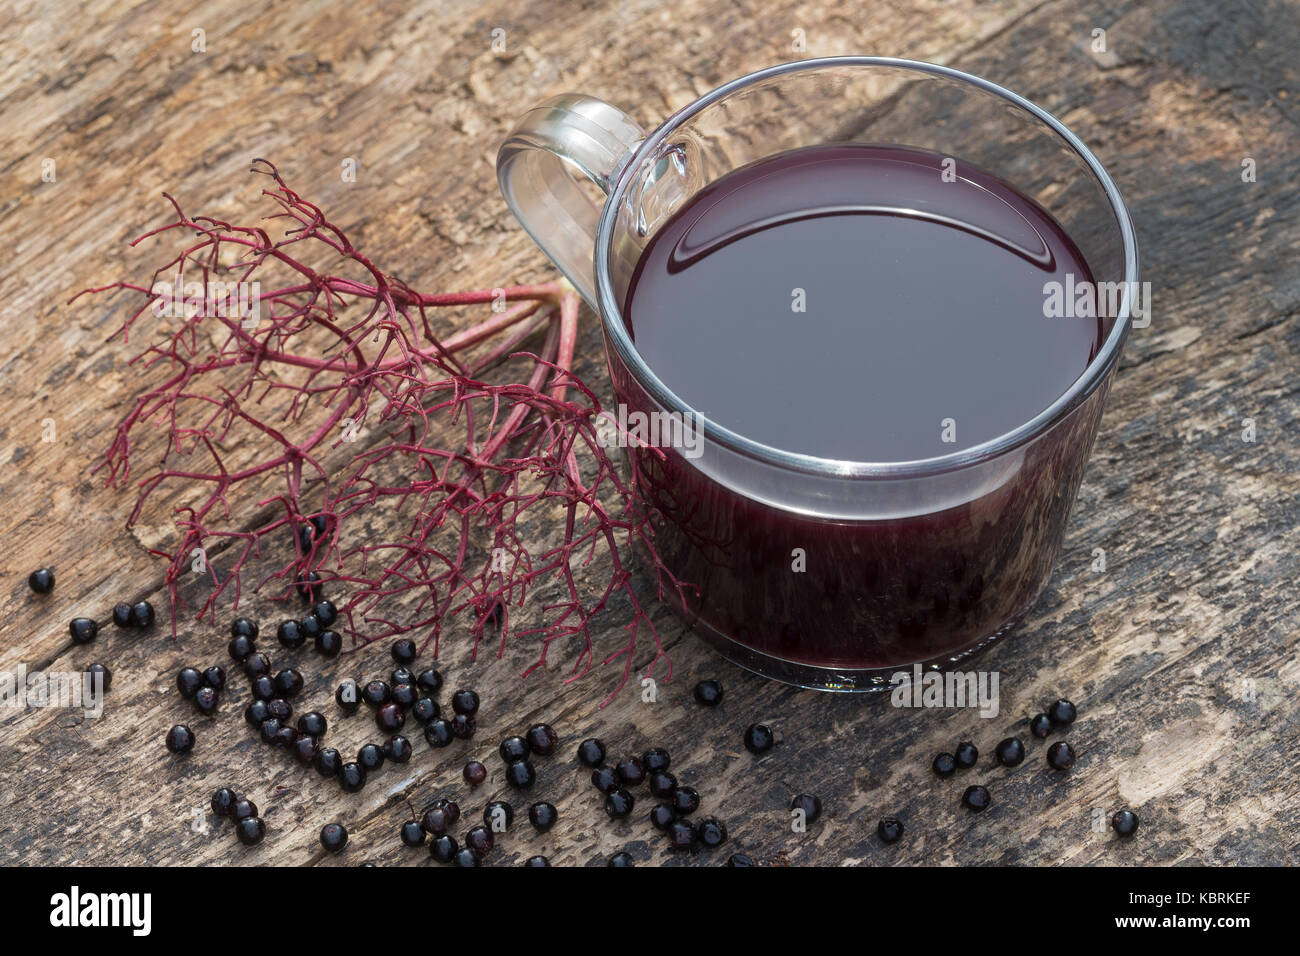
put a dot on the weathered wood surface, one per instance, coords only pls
(1181, 655)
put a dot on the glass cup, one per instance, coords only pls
(907, 563)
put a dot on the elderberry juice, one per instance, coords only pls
(863, 304)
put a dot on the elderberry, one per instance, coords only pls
(352, 777)
(656, 760)
(105, 674)
(390, 718)
(1124, 822)
(809, 804)
(1062, 713)
(325, 612)
(303, 748)
(463, 726)
(243, 809)
(480, 840)
(890, 829)
(41, 580)
(401, 675)
(370, 757)
(474, 773)
(121, 615)
(239, 648)
(291, 635)
(376, 693)
(309, 586)
(329, 643)
(740, 859)
(966, 755)
(537, 861)
(542, 816)
(622, 859)
(188, 681)
(686, 800)
(334, 837)
(443, 848)
(663, 784)
(619, 803)
(465, 702)
(280, 709)
(708, 693)
(542, 739)
(403, 694)
(403, 650)
(425, 709)
(513, 749)
(711, 832)
(412, 833)
(1040, 725)
(498, 816)
(142, 615)
(83, 630)
(605, 779)
(591, 752)
(467, 857)
(288, 683)
(681, 834)
(215, 677)
(180, 739)
(256, 712)
(945, 765)
(347, 697)
(205, 700)
(244, 627)
(631, 771)
(662, 816)
(438, 732)
(263, 688)
(1010, 752)
(223, 802)
(250, 830)
(758, 739)
(976, 799)
(430, 681)
(520, 774)
(1060, 756)
(313, 723)
(257, 664)
(327, 762)
(398, 749)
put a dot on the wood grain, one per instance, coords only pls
(1181, 655)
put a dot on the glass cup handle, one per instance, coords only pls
(564, 135)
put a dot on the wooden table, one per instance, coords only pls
(1181, 655)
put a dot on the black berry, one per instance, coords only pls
(1124, 822)
(334, 837)
(188, 681)
(352, 777)
(256, 712)
(443, 848)
(708, 693)
(223, 802)
(605, 779)
(465, 702)
(370, 757)
(303, 748)
(542, 815)
(681, 834)
(250, 830)
(180, 739)
(243, 809)
(712, 833)
(543, 739)
(390, 718)
(309, 586)
(685, 800)
(376, 693)
(425, 709)
(122, 614)
(142, 614)
(655, 760)
(404, 694)
(463, 726)
(313, 723)
(513, 749)
(288, 683)
(662, 816)
(479, 839)
(945, 764)
(621, 858)
(740, 859)
(429, 681)
(537, 861)
(412, 833)
(244, 627)
(104, 673)
(1040, 725)
(619, 803)
(1062, 713)
(83, 630)
(291, 635)
(1060, 756)
(809, 804)
(890, 829)
(239, 648)
(325, 612)
(215, 677)
(631, 771)
(257, 664)
(467, 857)
(329, 644)
(438, 733)
(327, 762)
(966, 754)
(591, 752)
(347, 697)
(976, 799)
(403, 651)
(520, 774)
(474, 773)
(263, 688)
(1010, 752)
(398, 749)
(280, 709)
(498, 816)
(205, 700)
(758, 738)
(662, 784)
(41, 580)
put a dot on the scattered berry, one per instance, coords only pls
(542, 815)
(390, 718)
(334, 837)
(329, 643)
(966, 755)
(398, 749)
(443, 848)
(188, 682)
(404, 694)
(536, 861)
(513, 749)
(280, 709)
(239, 648)
(83, 630)
(303, 748)
(180, 739)
(663, 784)
(1060, 756)
(708, 693)
(288, 683)
(1062, 713)
(327, 762)
(758, 738)
(681, 834)
(809, 804)
(376, 693)
(347, 697)
(621, 858)
(403, 650)
(352, 777)
(122, 615)
(465, 702)
(1040, 725)
(244, 627)
(479, 839)
(223, 802)
(467, 857)
(250, 830)
(142, 615)
(105, 674)
(370, 757)
(412, 833)
(263, 687)
(243, 809)
(655, 760)
(685, 800)
(1124, 822)
(325, 612)
(619, 803)
(631, 771)
(712, 833)
(292, 635)
(429, 681)
(1010, 752)
(740, 859)
(945, 764)
(498, 816)
(425, 709)
(215, 677)
(41, 580)
(313, 723)
(520, 774)
(463, 726)
(309, 586)
(605, 779)
(257, 664)
(438, 733)
(474, 773)
(890, 829)
(662, 816)
(591, 752)
(205, 700)
(976, 799)
(256, 712)
(542, 739)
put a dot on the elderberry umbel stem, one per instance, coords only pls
(314, 385)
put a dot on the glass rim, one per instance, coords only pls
(1092, 376)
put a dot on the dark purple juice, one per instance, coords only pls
(874, 304)
(847, 302)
